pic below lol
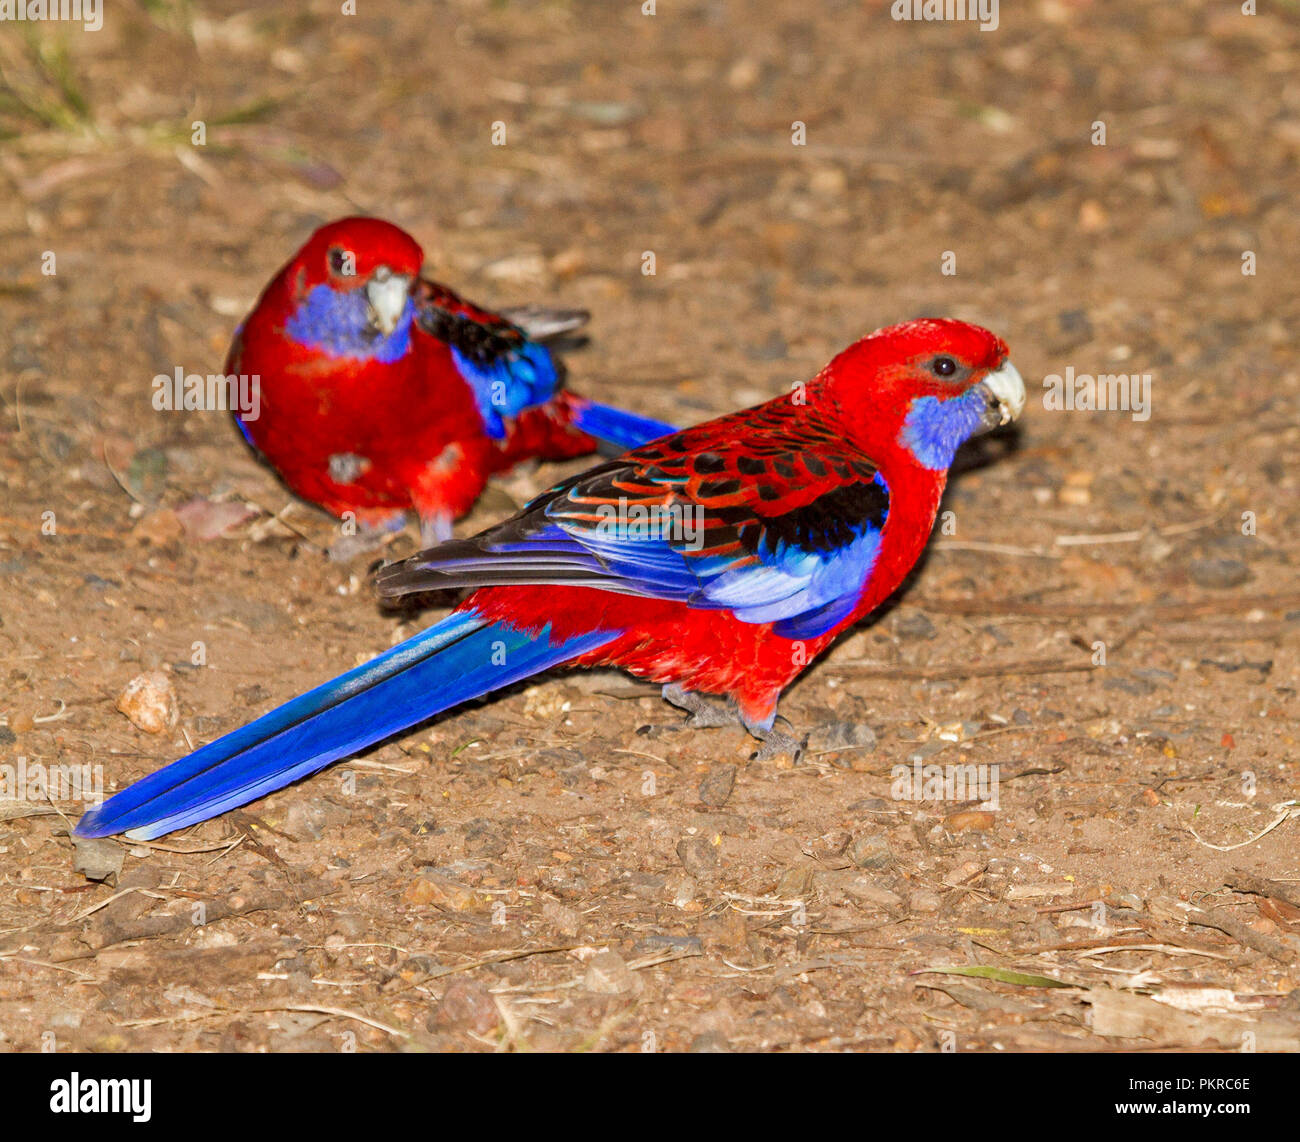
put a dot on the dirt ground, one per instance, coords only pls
(566, 867)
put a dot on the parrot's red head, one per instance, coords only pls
(349, 292)
(926, 385)
(352, 250)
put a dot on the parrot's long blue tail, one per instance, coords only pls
(616, 430)
(459, 658)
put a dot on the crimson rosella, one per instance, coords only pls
(719, 560)
(382, 392)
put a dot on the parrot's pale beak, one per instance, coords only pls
(386, 295)
(1004, 390)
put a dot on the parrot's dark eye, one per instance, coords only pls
(944, 367)
(341, 262)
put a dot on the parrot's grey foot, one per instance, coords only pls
(366, 538)
(776, 743)
(704, 713)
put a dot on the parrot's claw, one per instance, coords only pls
(704, 713)
(777, 743)
(713, 713)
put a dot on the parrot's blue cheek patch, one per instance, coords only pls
(338, 323)
(935, 429)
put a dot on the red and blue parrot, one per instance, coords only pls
(718, 561)
(382, 392)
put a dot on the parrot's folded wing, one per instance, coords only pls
(782, 536)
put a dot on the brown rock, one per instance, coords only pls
(715, 789)
(468, 1005)
(566, 921)
(698, 856)
(608, 974)
(977, 819)
(441, 892)
(149, 702)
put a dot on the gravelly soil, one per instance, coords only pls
(566, 867)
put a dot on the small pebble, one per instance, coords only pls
(442, 892)
(976, 819)
(149, 702)
(304, 822)
(608, 974)
(999, 636)
(566, 921)
(468, 1005)
(866, 891)
(698, 856)
(484, 840)
(794, 883)
(1218, 573)
(99, 859)
(924, 901)
(963, 873)
(715, 789)
(871, 851)
(914, 626)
